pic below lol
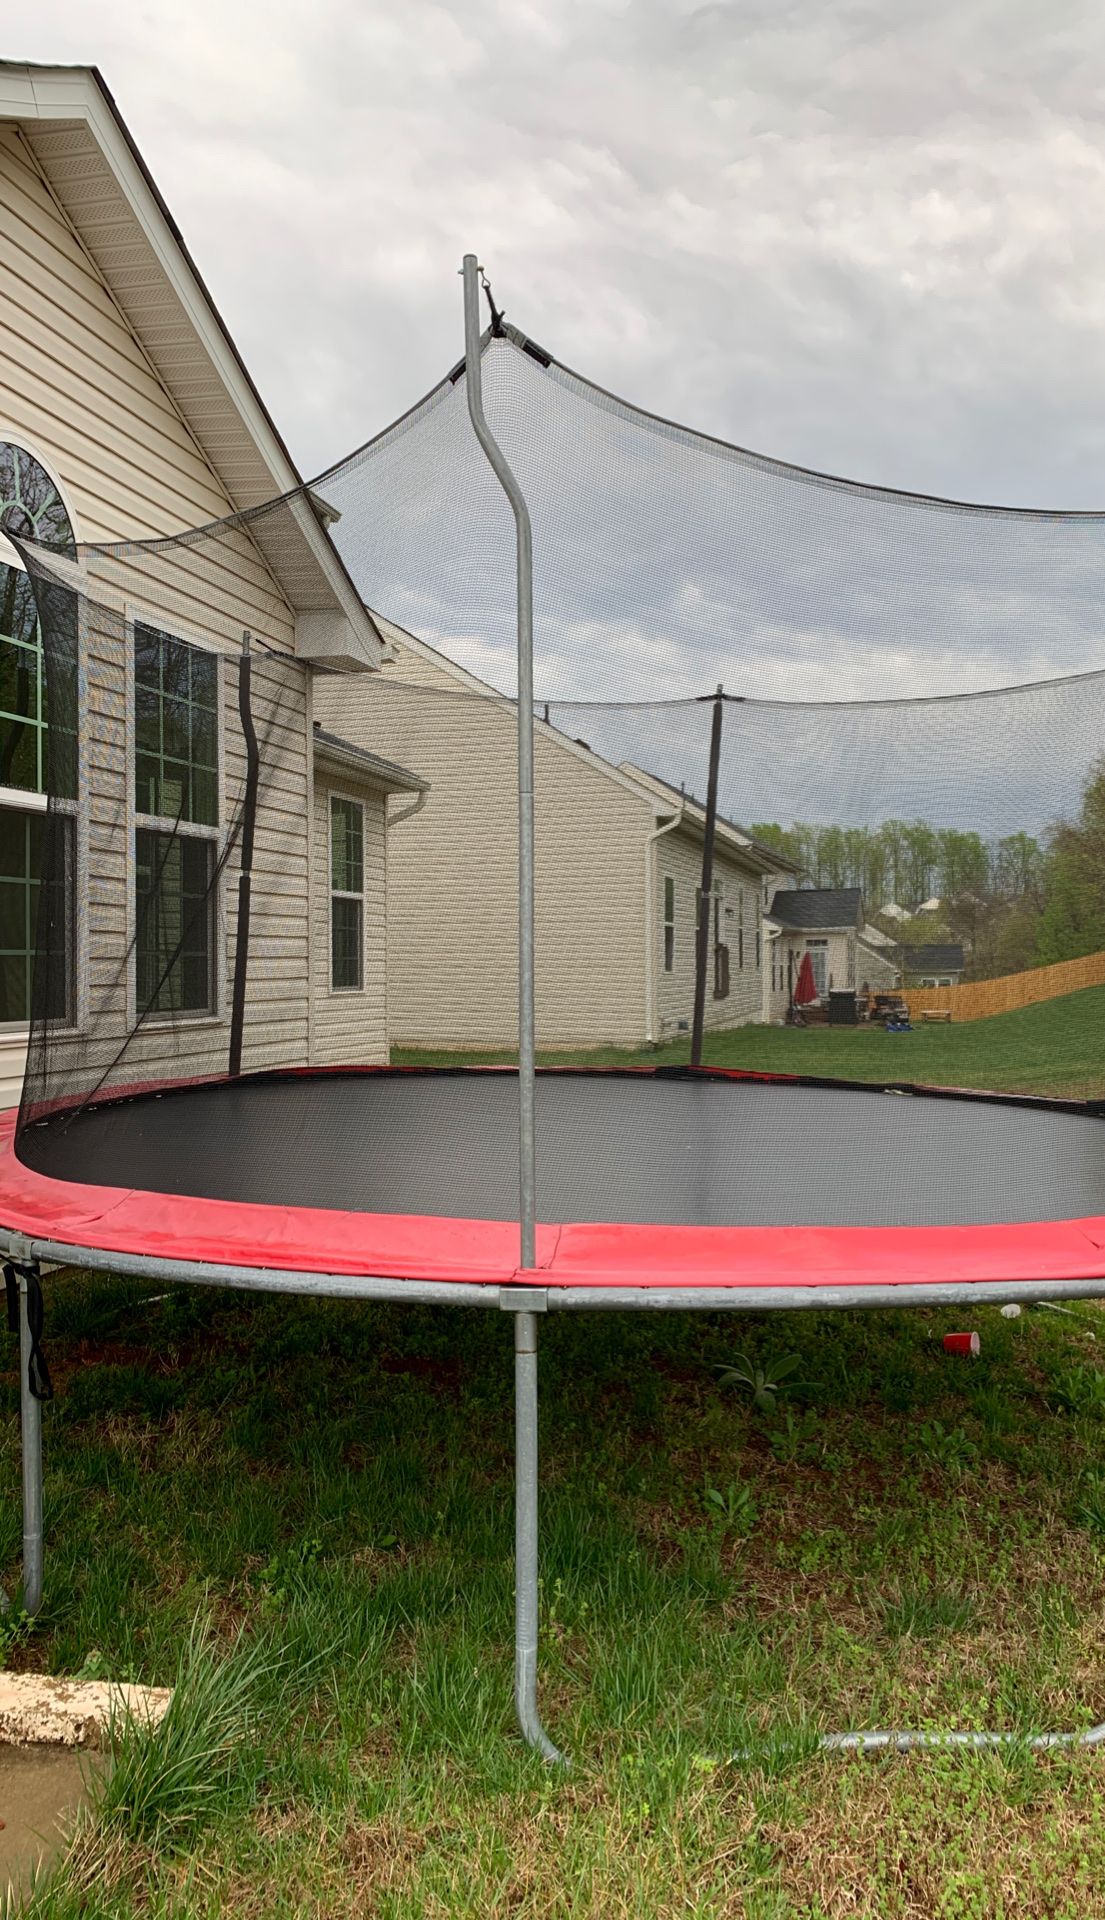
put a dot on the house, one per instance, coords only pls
(828, 924)
(126, 413)
(618, 868)
(937, 965)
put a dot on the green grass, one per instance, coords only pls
(305, 1509)
(1055, 1047)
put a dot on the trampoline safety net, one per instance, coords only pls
(252, 864)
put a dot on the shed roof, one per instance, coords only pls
(817, 907)
(947, 958)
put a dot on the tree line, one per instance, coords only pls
(1014, 902)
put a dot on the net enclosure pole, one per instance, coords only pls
(702, 944)
(245, 872)
(527, 1173)
(30, 1425)
(526, 1563)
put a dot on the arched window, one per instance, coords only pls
(32, 508)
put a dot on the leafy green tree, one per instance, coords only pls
(1073, 919)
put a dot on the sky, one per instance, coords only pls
(864, 238)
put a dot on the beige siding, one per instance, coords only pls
(77, 389)
(679, 857)
(452, 871)
(351, 1028)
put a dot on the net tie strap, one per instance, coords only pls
(38, 1373)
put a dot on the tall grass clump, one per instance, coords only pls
(167, 1781)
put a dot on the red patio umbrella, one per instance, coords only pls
(805, 991)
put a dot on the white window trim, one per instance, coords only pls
(669, 881)
(339, 893)
(74, 573)
(139, 614)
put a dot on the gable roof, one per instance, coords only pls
(331, 750)
(946, 958)
(817, 907)
(766, 859)
(104, 188)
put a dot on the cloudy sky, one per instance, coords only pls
(860, 236)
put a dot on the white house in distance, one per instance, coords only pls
(126, 413)
(828, 924)
(619, 857)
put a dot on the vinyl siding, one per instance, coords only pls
(452, 871)
(351, 1027)
(77, 389)
(679, 857)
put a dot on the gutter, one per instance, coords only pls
(669, 826)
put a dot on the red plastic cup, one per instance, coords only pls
(968, 1343)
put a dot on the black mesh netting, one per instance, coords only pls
(910, 822)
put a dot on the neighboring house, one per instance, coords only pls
(351, 793)
(125, 414)
(829, 924)
(932, 966)
(618, 867)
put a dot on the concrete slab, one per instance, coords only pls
(36, 1709)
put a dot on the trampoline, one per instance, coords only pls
(647, 1180)
(175, 1124)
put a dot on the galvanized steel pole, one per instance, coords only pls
(527, 1173)
(526, 1562)
(30, 1422)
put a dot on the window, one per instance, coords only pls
(669, 923)
(721, 953)
(346, 895)
(174, 923)
(818, 951)
(759, 948)
(176, 693)
(24, 868)
(175, 729)
(38, 749)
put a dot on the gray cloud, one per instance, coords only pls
(863, 237)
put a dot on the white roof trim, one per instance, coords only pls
(47, 93)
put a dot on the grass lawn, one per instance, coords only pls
(1055, 1047)
(908, 1540)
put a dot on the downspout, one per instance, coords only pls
(396, 819)
(669, 826)
(765, 991)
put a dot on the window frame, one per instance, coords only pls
(137, 614)
(344, 798)
(668, 923)
(69, 566)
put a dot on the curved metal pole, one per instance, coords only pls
(527, 1177)
(525, 1325)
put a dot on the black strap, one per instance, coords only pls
(38, 1373)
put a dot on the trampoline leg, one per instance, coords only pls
(525, 1536)
(30, 1422)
